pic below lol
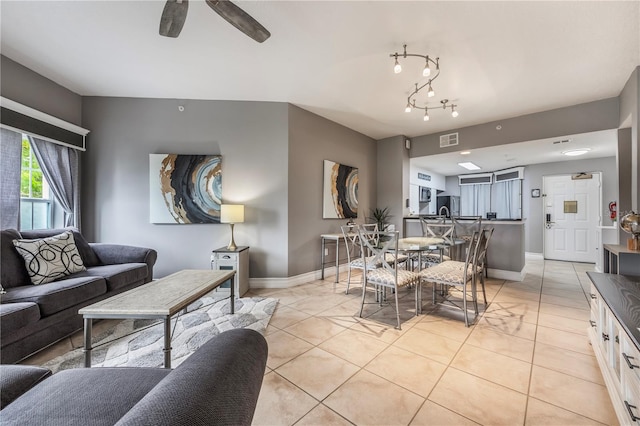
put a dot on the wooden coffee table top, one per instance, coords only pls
(163, 297)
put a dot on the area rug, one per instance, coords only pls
(139, 343)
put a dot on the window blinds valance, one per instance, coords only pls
(20, 118)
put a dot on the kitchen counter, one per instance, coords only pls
(505, 255)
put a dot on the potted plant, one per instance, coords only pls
(381, 217)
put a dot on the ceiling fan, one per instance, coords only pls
(175, 13)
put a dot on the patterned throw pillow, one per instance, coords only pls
(50, 258)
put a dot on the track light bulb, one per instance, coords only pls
(426, 72)
(454, 113)
(397, 68)
(426, 116)
(431, 93)
(408, 108)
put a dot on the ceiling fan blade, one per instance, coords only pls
(173, 17)
(240, 19)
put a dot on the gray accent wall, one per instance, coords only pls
(630, 118)
(393, 177)
(250, 136)
(29, 88)
(583, 118)
(313, 139)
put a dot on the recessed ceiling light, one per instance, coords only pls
(574, 152)
(465, 153)
(469, 166)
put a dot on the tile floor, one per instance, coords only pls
(527, 359)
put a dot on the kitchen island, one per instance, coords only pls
(505, 256)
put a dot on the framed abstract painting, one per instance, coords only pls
(340, 191)
(185, 188)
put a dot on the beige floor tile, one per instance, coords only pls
(366, 399)
(317, 372)
(432, 414)
(314, 330)
(564, 339)
(429, 345)
(571, 393)
(568, 362)
(565, 301)
(280, 402)
(321, 415)
(540, 413)
(285, 316)
(413, 372)
(451, 329)
(511, 326)
(511, 310)
(384, 332)
(49, 353)
(345, 314)
(515, 347)
(313, 305)
(496, 368)
(572, 292)
(355, 347)
(564, 311)
(562, 323)
(283, 347)
(478, 399)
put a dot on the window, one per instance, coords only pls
(36, 204)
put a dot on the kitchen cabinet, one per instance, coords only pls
(615, 337)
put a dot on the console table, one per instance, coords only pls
(615, 338)
(336, 238)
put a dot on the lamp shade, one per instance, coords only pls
(231, 213)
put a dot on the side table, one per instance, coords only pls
(237, 260)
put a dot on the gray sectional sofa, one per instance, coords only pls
(35, 316)
(218, 385)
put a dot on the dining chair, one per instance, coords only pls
(455, 274)
(463, 228)
(352, 241)
(382, 269)
(439, 229)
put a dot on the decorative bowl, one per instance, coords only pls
(631, 223)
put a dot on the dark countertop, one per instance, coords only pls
(622, 294)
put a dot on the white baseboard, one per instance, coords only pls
(534, 256)
(507, 275)
(295, 280)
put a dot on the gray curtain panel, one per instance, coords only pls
(10, 155)
(60, 166)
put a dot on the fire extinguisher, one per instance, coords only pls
(612, 210)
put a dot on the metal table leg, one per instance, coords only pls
(337, 257)
(233, 297)
(88, 323)
(322, 260)
(167, 341)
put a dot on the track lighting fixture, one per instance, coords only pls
(432, 70)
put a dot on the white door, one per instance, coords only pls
(569, 235)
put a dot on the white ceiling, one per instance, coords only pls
(498, 59)
(601, 144)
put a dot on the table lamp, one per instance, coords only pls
(232, 214)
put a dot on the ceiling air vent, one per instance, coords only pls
(448, 140)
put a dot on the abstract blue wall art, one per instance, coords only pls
(340, 192)
(185, 188)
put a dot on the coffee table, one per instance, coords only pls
(159, 299)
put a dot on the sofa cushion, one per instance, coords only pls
(17, 379)
(96, 396)
(89, 257)
(118, 276)
(13, 273)
(51, 258)
(17, 315)
(58, 295)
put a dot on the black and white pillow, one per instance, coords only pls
(50, 258)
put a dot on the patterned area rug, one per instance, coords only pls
(139, 343)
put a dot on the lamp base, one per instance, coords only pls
(232, 244)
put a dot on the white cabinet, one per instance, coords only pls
(618, 358)
(237, 260)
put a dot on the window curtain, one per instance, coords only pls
(507, 199)
(10, 157)
(475, 200)
(60, 166)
